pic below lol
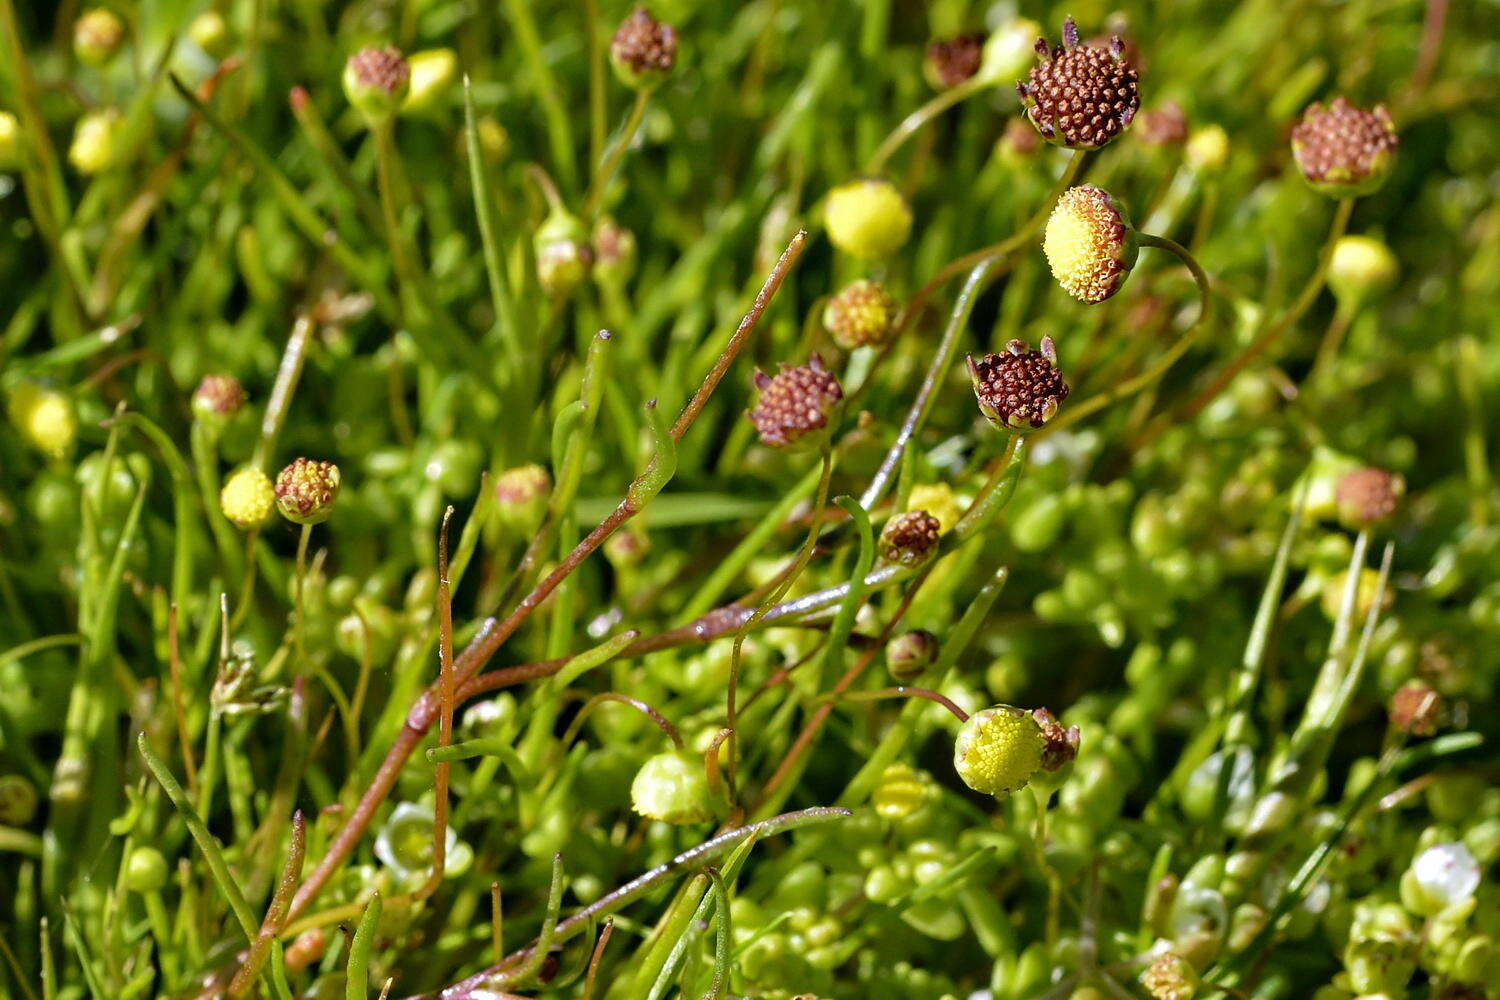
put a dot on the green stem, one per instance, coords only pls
(913, 123)
(559, 132)
(605, 174)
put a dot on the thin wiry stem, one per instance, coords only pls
(913, 123)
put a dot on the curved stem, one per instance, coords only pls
(656, 717)
(913, 123)
(1268, 336)
(902, 691)
(605, 173)
(1166, 361)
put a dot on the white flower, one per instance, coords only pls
(1447, 872)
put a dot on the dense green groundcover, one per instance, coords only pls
(373, 623)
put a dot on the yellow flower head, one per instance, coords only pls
(45, 418)
(306, 490)
(867, 218)
(432, 74)
(1090, 245)
(10, 141)
(248, 498)
(96, 141)
(998, 750)
(861, 313)
(1360, 267)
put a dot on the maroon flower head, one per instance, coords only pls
(794, 403)
(951, 61)
(1020, 389)
(1343, 150)
(1081, 96)
(909, 538)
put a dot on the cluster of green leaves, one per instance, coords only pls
(215, 746)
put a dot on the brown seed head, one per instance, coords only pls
(861, 313)
(1416, 709)
(795, 402)
(1081, 96)
(1368, 496)
(909, 537)
(643, 49)
(1344, 150)
(1021, 389)
(951, 61)
(1062, 742)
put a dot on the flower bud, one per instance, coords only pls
(376, 82)
(867, 219)
(1442, 876)
(1416, 709)
(1379, 964)
(1170, 977)
(1367, 497)
(1021, 389)
(247, 498)
(521, 496)
(1366, 592)
(796, 404)
(862, 313)
(210, 32)
(1081, 96)
(951, 61)
(909, 538)
(1207, 149)
(909, 655)
(998, 750)
(1360, 268)
(1090, 244)
(1342, 150)
(96, 141)
(1009, 49)
(563, 255)
(1062, 743)
(493, 139)
(146, 871)
(97, 35)
(18, 800)
(432, 72)
(45, 417)
(218, 399)
(901, 791)
(1018, 144)
(614, 252)
(10, 141)
(1165, 125)
(306, 490)
(673, 787)
(643, 50)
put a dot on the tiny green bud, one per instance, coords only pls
(1008, 50)
(306, 490)
(614, 252)
(376, 82)
(18, 800)
(673, 787)
(521, 496)
(45, 417)
(1207, 149)
(867, 219)
(218, 399)
(432, 74)
(96, 141)
(10, 141)
(909, 654)
(146, 871)
(1361, 268)
(210, 32)
(563, 254)
(97, 35)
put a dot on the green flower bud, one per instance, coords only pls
(901, 792)
(521, 496)
(867, 219)
(1207, 149)
(18, 800)
(998, 750)
(210, 32)
(1360, 269)
(614, 253)
(376, 82)
(1009, 49)
(96, 141)
(10, 141)
(673, 787)
(218, 400)
(306, 490)
(1379, 964)
(432, 73)
(564, 257)
(45, 417)
(908, 655)
(97, 36)
(146, 871)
